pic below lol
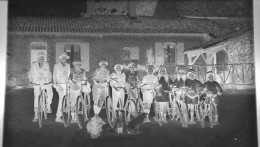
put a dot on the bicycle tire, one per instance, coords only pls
(110, 112)
(40, 110)
(129, 103)
(211, 115)
(65, 111)
(139, 106)
(80, 112)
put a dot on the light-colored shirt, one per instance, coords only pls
(39, 74)
(101, 75)
(150, 81)
(61, 73)
(119, 80)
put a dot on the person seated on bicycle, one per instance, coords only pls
(191, 97)
(180, 91)
(100, 88)
(132, 80)
(40, 74)
(77, 77)
(162, 99)
(61, 74)
(117, 83)
(148, 85)
(179, 82)
(213, 89)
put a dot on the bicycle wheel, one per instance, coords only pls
(130, 111)
(40, 109)
(66, 111)
(110, 112)
(211, 115)
(139, 106)
(80, 112)
(45, 105)
(88, 106)
(179, 113)
(201, 114)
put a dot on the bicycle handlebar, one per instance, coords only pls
(34, 84)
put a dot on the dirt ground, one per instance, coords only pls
(237, 127)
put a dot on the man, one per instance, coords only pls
(100, 87)
(61, 74)
(132, 80)
(148, 85)
(40, 74)
(191, 97)
(78, 77)
(215, 89)
(118, 83)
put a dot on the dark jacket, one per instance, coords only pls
(161, 96)
(213, 86)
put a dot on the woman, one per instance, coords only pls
(149, 82)
(162, 99)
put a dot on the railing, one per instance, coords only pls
(228, 75)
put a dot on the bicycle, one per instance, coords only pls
(42, 103)
(211, 110)
(175, 106)
(66, 106)
(82, 107)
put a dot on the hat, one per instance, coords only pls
(163, 69)
(64, 55)
(131, 64)
(118, 65)
(103, 62)
(190, 71)
(150, 66)
(210, 73)
(40, 54)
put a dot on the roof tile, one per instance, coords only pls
(114, 24)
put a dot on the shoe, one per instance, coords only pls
(35, 118)
(73, 120)
(147, 120)
(155, 118)
(49, 110)
(192, 122)
(58, 119)
(216, 122)
(164, 120)
(160, 123)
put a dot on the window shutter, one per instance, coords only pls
(134, 54)
(180, 53)
(60, 47)
(159, 53)
(84, 50)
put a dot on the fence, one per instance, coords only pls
(234, 76)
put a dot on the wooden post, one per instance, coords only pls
(233, 78)
(243, 74)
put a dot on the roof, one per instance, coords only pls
(217, 41)
(215, 8)
(114, 24)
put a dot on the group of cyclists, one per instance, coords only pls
(156, 89)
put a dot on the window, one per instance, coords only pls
(37, 47)
(130, 53)
(73, 51)
(76, 51)
(170, 52)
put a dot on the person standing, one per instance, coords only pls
(162, 99)
(118, 84)
(61, 74)
(148, 85)
(100, 88)
(40, 74)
